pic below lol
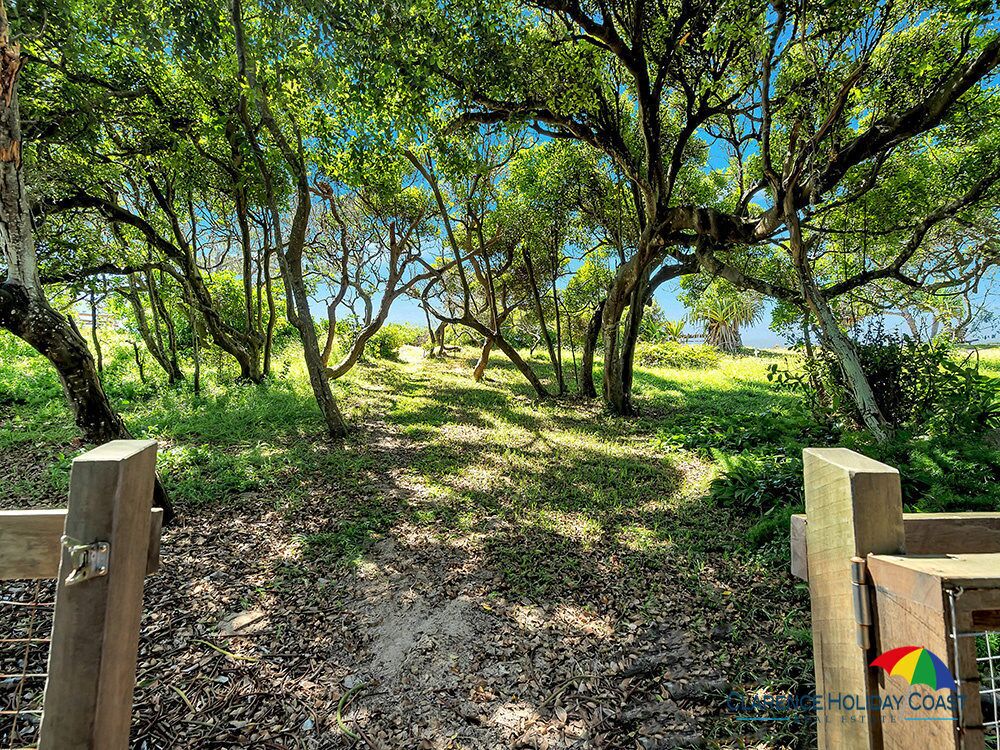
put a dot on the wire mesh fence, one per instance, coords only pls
(987, 679)
(988, 661)
(26, 611)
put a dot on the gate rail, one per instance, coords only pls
(99, 550)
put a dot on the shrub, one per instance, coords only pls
(26, 377)
(658, 329)
(945, 473)
(925, 387)
(673, 354)
(121, 376)
(774, 526)
(390, 338)
(758, 482)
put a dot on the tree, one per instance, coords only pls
(811, 103)
(376, 249)
(589, 283)
(475, 284)
(290, 249)
(723, 310)
(24, 309)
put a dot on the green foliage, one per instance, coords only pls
(390, 338)
(758, 482)
(25, 378)
(204, 475)
(925, 387)
(773, 527)
(32, 405)
(673, 354)
(704, 481)
(121, 377)
(722, 309)
(348, 542)
(949, 472)
(656, 328)
(774, 429)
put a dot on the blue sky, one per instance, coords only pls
(757, 335)
(406, 310)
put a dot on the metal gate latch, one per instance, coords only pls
(88, 560)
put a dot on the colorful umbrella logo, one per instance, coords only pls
(916, 665)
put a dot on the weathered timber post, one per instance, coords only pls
(854, 507)
(95, 633)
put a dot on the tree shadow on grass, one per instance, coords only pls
(500, 502)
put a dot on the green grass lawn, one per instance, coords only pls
(679, 515)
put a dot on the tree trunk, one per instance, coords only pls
(484, 359)
(724, 336)
(150, 334)
(138, 363)
(534, 345)
(522, 366)
(196, 344)
(289, 259)
(850, 365)
(31, 319)
(169, 355)
(440, 339)
(814, 378)
(331, 334)
(512, 354)
(334, 420)
(630, 336)
(272, 314)
(617, 359)
(373, 325)
(561, 380)
(51, 335)
(587, 387)
(93, 334)
(833, 335)
(175, 373)
(24, 311)
(572, 348)
(539, 312)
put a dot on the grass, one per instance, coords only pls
(683, 509)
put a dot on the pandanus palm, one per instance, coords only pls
(723, 315)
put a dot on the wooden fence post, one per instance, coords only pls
(853, 508)
(95, 632)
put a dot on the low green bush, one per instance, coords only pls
(774, 428)
(774, 526)
(674, 354)
(390, 338)
(926, 388)
(758, 482)
(203, 475)
(25, 376)
(943, 473)
(767, 485)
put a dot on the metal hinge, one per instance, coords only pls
(88, 560)
(862, 601)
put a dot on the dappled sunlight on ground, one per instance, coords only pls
(471, 568)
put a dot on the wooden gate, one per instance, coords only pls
(882, 581)
(99, 551)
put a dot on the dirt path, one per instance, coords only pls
(354, 605)
(434, 660)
